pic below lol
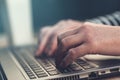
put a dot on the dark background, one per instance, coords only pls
(1, 22)
(48, 12)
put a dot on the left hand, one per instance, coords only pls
(48, 36)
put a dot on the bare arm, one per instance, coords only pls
(48, 35)
(89, 38)
(76, 39)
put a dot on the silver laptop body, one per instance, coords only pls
(20, 64)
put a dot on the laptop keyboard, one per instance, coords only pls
(32, 69)
(42, 67)
(2, 73)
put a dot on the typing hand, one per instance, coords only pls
(89, 38)
(48, 36)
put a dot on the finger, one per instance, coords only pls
(65, 44)
(42, 44)
(50, 43)
(73, 54)
(66, 33)
(71, 41)
(44, 31)
(53, 47)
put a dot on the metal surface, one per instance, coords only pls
(14, 71)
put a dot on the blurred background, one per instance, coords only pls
(21, 19)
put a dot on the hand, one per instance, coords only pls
(48, 36)
(89, 38)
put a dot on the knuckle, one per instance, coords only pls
(72, 53)
(57, 33)
(53, 33)
(85, 27)
(59, 38)
(87, 24)
(63, 43)
(87, 31)
(60, 35)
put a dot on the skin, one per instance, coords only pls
(87, 38)
(48, 36)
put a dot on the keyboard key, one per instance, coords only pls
(35, 67)
(40, 73)
(88, 67)
(75, 67)
(32, 64)
(51, 69)
(43, 75)
(35, 70)
(32, 77)
(80, 61)
(52, 61)
(54, 72)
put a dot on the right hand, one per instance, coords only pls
(89, 38)
(48, 36)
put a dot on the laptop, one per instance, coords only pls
(19, 63)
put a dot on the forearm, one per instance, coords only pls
(89, 38)
(110, 44)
